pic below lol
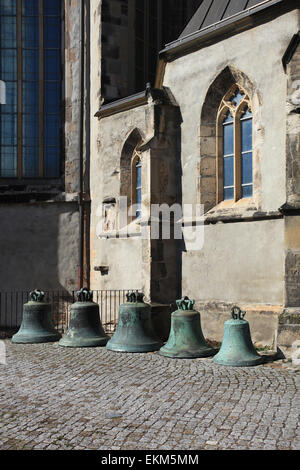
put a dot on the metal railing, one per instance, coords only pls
(11, 308)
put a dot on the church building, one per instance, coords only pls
(155, 145)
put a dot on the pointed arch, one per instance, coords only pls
(130, 156)
(215, 107)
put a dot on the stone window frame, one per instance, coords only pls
(236, 112)
(220, 85)
(129, 155)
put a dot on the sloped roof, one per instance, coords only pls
(213, 11)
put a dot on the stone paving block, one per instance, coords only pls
(61, 398)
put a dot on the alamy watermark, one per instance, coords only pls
(158, 221)
(2, 353)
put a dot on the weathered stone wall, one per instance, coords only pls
(39, 246)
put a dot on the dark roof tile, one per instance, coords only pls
(213, 11)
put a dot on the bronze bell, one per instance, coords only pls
(37, 324)
(85, 328)
(186, 340)
(134, 332)
(237, 348)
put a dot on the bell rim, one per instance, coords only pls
(246, 363)
(93, 343)
(32, 340)
(184, 355)
(133, 349)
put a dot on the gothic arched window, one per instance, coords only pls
(234, 147)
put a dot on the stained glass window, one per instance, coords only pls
(30, 55)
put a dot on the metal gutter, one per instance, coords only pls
(124, 104)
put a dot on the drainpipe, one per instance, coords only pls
(81, 136)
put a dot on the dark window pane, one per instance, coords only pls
(51, 33)
(30, 97)
(51, 162)
(52, 65)
(8, 7)
(138, 197)
(247, 168)
(247, 191)
(52, 97)
(30, 68)
(30, 7)
(246, 130)
(8, 31)
(228, 193)
(228, 139)
(9, 129)
(52, 131)
(30, 32)
(228, 171)
(30, 162)
(138, 175)
(52, 7)
(8, 162)
(30, 135)
(8, 64)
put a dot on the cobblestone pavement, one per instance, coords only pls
(62, 398)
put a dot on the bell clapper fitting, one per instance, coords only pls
(84, 295)
(237, 313)
(37, 295)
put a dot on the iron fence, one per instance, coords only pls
(11, 308)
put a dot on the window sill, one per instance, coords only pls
(240, 211)
(232, 207)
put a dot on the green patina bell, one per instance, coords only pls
(186, 340)
(237, 348)
(134, 332)
(37, 324)
(85, 328)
